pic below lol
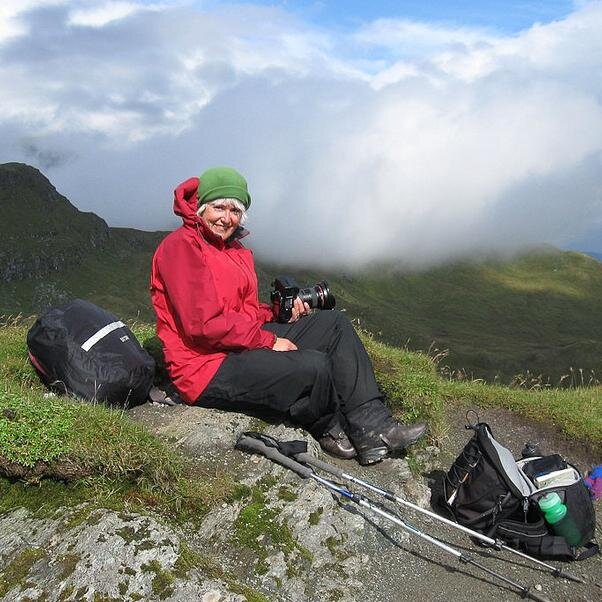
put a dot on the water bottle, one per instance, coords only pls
(556, 515)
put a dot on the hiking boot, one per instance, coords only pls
(389, 440)
(336, 443)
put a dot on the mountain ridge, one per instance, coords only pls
(34, 211)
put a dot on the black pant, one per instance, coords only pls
(328, 380)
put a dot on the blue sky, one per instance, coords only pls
(507, 16)
(415, 132)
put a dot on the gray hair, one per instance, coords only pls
(235, 202)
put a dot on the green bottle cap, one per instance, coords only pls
(552, 507)
(549, 501)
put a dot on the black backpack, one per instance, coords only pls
(488, 491)
(82, 350)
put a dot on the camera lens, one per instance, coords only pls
(318, 296)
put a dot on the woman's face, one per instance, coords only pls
(222, 218)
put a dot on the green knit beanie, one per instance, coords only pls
(222, 183)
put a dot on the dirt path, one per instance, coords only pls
(514, 431)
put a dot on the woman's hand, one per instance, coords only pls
(300, 308)
(283, 345)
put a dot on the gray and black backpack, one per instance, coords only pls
(488, 491)
(83, 350)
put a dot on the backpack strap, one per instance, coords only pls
(591, 549)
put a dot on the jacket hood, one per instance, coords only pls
(185, 202)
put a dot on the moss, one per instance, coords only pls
(251, 595)
(261, 567)
(187, 560)
(122, 586)
(267, 482)
(130, 534)
(414, 465)
(134, 597)
(16, 571)
(240, 492)
(287, 494)
(257, 527)
(334, 547)
(42, 500)
(98, 597)
(256, 521)
(68, 564)
(314, 517)
(78, 517)
(163, 580)
(149, 544)
(128, 570)
(257, 425)
(337, 569)
(66, 593)
(335, 595)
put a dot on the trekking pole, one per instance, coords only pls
(389, 495)
(268, 447)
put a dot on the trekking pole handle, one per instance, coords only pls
(257, 446)
(307, 458)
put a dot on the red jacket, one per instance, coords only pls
(204, 292)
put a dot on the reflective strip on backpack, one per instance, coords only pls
(103, 332)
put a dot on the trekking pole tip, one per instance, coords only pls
(569, 576)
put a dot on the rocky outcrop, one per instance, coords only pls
(281, 539)
(104, 555)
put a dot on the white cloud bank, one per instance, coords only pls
(398, 141)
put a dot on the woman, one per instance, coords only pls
(223, 349)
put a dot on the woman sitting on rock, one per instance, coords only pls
(224, 350)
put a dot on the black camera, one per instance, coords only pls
(286, 290)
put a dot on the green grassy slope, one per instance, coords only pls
(115, 276)
(541, 312)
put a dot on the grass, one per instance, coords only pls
(577, 412)
(410, 383)
(495, 318)
(79, 452)
(417, 392)
(64, 438)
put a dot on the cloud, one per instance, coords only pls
(402, 141)
(46, 158)
(107, 12)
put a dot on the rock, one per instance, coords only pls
(291, 539)
(427, 457)
(106, 555)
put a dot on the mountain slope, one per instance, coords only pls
(41, 230)
(540, 312)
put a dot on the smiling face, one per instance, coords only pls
(222, 217)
